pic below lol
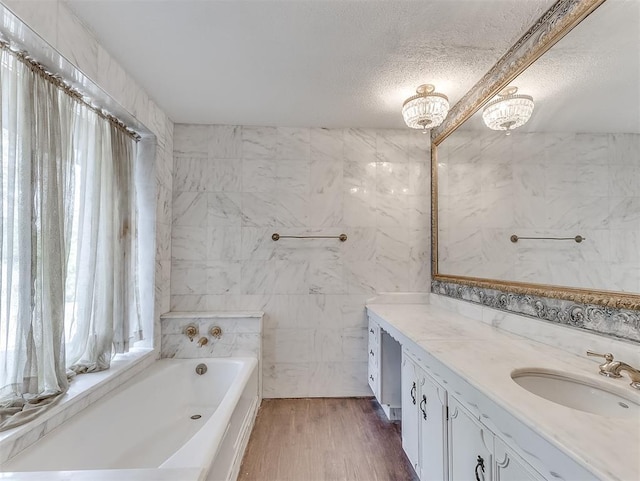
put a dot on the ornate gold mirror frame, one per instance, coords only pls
(559, 20)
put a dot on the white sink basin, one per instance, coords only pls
(580, 393)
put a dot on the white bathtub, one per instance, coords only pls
(146, 425)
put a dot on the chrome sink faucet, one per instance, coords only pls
(612, 368)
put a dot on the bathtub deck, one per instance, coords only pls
(344, 439)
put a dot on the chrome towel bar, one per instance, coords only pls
(275, 236)
(514, 238)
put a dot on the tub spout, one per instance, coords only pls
(203, 341)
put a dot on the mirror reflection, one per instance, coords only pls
(573, 169)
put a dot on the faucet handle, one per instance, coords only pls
(607, 356)
(610, 367)
(191, 331)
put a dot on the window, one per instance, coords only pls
(68, 247)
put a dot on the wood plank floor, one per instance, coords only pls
(324, 439)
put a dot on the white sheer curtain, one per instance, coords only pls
(101, 287)
(68, 290)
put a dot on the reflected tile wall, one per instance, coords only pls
(555, 185)
(235, 186)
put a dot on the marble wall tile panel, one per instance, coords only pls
(360, 145)
(225, 142)
(364, 183)
(293, 144)
(224, 209)
(334, 379)
(286, 379)
(259, 175)
(191, 140)
(259, 142)
(420, 178)
(326, 145)
(393, 145)
(189, 209)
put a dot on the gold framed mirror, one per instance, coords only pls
(463, 127)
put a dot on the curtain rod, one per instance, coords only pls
(60, 83)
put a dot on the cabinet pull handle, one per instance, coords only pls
(480, 465)
(413, 393)
(370, 352)
(423, 402)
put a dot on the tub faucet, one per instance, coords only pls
(202, 341)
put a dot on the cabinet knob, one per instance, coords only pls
(371, 331)
(371, 377)
(371, 352)
(480, 467)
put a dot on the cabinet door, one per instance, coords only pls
(510, 467)
(432, 413)
(410, 421)
(470, 446)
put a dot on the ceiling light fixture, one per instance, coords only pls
(509, 111)
(425, 110)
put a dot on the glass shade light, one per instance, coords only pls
(509, 111)
(426, 109)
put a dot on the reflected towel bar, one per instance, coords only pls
(514, 238)
(276, 236)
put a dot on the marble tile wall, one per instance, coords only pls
(557, 185)
(233, 186)
(63, 31)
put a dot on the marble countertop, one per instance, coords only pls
(485, 357)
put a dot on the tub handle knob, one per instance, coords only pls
(191, 331)
(203, 341)
(216, 332)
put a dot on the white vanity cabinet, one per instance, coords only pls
(465, 427)
(509, 466)
(470, 445)
(476, 453)
(423, 421)
(384, 369)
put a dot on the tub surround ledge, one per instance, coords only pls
(84, 390)
(181, 474)
(485, 356)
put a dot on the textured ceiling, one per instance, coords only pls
(589, 81)
(304, 63)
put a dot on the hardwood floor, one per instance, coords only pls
(324, 439)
